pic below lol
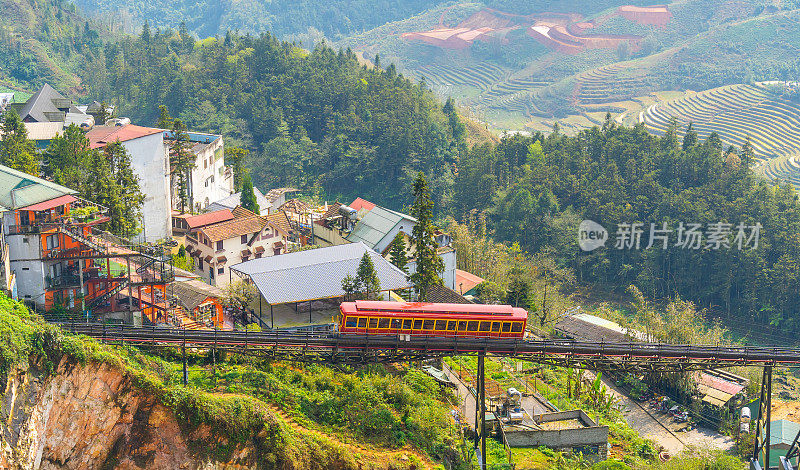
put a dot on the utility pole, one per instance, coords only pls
(482, 408)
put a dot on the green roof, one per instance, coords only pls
(21, 189)
(374, 227)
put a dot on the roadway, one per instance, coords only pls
(341, 348)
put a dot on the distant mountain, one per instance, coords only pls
(44, 41)
(283, 18)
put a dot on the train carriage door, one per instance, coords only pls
(496, 329)
(506, 329)
(362, 324)
(451, 327)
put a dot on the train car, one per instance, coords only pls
(365, 317)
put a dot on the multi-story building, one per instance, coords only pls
(218, 246)
(57, 261)
(150, 161)
(210, 179)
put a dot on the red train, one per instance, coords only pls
(430, 319)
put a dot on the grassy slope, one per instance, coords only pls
(238, 401)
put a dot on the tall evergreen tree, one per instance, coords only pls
(429, 264)
(16, 151)
(367, 278)
(397, 252)
(235, 158)
(127, 195)
(248, 198)
(66, 159)
(181, 162)
(165, 121)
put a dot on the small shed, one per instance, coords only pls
(202, 302)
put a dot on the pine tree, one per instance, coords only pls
(181, 162)
(235, 158)
(248, 198)
(128, 191)
(367, 278)
(66, 158)
(165, 121)
(16, 151)
(397, 252)
(429, 264)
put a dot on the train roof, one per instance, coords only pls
(429, 307)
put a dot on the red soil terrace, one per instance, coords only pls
(564, 32)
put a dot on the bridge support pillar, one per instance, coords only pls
(482, 408)
(185, 369)
(761, 449)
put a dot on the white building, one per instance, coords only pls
(210, 179)
(248, 236)
(150, 161)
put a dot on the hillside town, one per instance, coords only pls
(399, 235)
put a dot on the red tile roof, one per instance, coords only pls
(45, 205)
(209, 218)
(359, 204)
(234, 228)
(466, 281)
(100, 136)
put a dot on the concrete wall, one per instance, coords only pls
(448, 275)
(210, 182)
(570, 438)
(24, 251)
(150, 162)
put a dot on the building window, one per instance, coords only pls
(221, 270)
(245, 258)
(219, 245)
(200, 264)
(244, 239)
(205, 164)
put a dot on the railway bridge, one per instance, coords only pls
(333, 348)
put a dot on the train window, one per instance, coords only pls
(472, 326)
(496, 326)
(441, 325)
(383, 323)
(396, 323)
(407, 324)
(417, 324)
(428, 325)
(350, 322)
(373, 322)
(362, 322)
(506, 327)
(462, 325)
(486, 325)
(451, 325)
(516, 327)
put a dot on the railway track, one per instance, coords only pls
(321, 347)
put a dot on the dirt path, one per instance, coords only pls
(376, 455)
(650, 426)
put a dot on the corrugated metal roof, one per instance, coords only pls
(376, 225)
(316, 274)
(21, 189)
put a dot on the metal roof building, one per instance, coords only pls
(22, 190)
(315, 274)
(378, 228)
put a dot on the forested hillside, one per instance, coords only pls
(44, 42)
(537, 189)
(318, 121)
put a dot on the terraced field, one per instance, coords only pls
(480, 76)
(736, 112)
(607, 84)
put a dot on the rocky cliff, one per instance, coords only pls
(93, 417)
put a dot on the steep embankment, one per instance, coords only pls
(70, 403)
